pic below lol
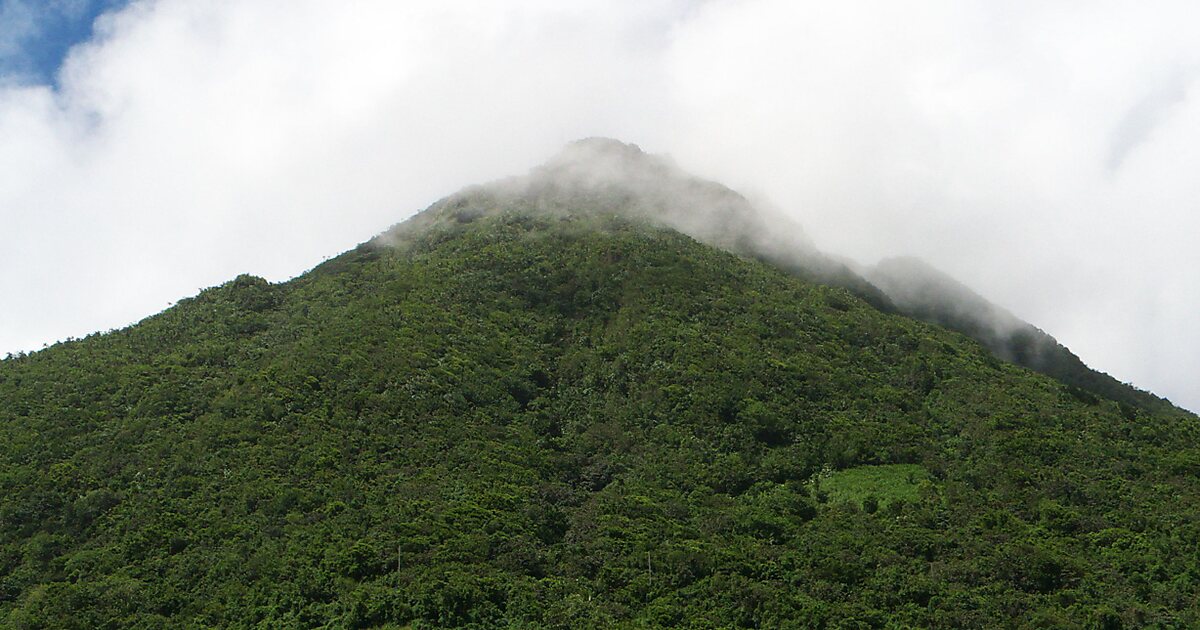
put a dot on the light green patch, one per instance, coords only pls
(886, 484)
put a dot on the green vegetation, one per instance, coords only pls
(530, 420)
(873, 487)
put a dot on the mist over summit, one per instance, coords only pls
(599, 175)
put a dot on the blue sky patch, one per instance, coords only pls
(35, 35)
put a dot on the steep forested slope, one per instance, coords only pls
(920, 291)
(510, 418)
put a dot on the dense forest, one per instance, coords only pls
(534, 411)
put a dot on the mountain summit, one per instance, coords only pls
(602, 177)
(566, 400)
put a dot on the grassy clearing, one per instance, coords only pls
(885, 484)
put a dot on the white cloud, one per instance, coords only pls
(1038, 151)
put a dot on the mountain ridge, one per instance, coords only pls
(922, 291)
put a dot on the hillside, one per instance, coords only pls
(920, 291)
(539, 404)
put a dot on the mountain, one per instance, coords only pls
(555, 402)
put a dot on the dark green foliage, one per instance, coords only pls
(537, 421)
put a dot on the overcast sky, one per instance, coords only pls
(1044, 153)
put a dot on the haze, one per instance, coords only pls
(1042, 153)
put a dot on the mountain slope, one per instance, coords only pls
(521, 413)
(920, 291)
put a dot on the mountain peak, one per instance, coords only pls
(599, 161)
(604, 176)
(603, 145)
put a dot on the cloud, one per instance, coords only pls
(1038, 152)
(1145, 116)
